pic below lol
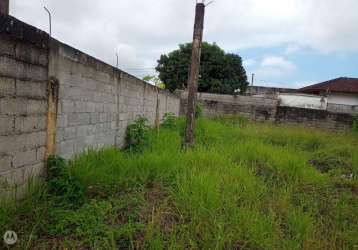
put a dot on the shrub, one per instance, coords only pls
(238, 120)
(355, 123)
(137, 136)
(61, 184)
(169, 120)
(198, 110)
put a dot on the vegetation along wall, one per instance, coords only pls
(55, 99)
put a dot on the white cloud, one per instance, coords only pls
(293, 85)
(149, 28)
(292, 48)
(274, 66)
(279, 62)
(249, 62)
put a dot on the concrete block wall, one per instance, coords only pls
(23, 104)
(314, 118)
(95, 104)
(340, 108)
(255, 108)
(269, 109)
(87, 103)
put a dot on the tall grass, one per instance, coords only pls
(244, 186)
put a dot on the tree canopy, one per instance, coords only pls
(220, 72)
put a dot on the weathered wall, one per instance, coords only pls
(340, 108)
(264, 108)
(256, 108)
(299, 100)
(96, 102)
(314, 118)
(258, 90)
(23, 102)
(343, 99)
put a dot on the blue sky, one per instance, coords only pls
(288, 43)
(307, 65)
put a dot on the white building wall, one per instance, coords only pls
(303, 101)
(343, 99)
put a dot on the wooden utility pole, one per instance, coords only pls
(4, 7)
(194, 73)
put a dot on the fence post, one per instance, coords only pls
(4, 7)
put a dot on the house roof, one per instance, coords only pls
(342, 85)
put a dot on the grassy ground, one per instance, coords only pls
(254, 186)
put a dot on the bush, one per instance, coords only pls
(355, 123)
(238, 120)
(169, 120)
(61, 184)
(198, 110)
(137, 136)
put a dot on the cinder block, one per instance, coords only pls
(31, 89)
(6, 124)
(80, 107)
(59, 134)
(73, 93)
(90, 140)
(91, 107)
(7, 45)
(70, 133)
(68, 106)
(99, 107)
(26, 124)
(40, 153)
(22, 142)
(24, 158)
(103, 117)
(22, 106)
(34, 171)
(7, 86)
(81, 131)
(12, 68)
(94, 118)
(62, 120)
(31, 54)
(37, 106)
(13, 106)
(83, 118)
(66, 148)
(5, 162)
(12, 177)
(73, 119)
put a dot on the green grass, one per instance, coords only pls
(244, 186)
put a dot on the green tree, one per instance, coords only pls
(154, 80)
(219, 72)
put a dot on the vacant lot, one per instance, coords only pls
(244, 186)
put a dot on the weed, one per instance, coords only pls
(198, 110)
(244, 186)
(236, 120)
(169, 120)
(355, 123)
(137, 134)
(61, 184)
